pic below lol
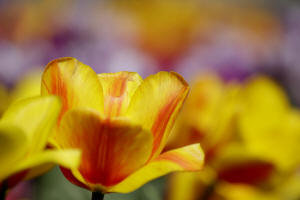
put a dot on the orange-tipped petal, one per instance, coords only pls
(189, 158)
(111, 150)
(118, 88)
(156, 104)
(76, 83)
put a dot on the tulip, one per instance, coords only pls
(208, 115)
(120, 122)
(248, 152)
(24, 131)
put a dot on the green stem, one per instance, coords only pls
(96, 196)
(3, 190)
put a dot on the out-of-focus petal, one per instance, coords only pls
(40, 162)
(13, 146)
(76, 83)
(245, 192)
(236, 164)
(111, 149)
(267, 121)
(265, 97)
(156, 104)
(189, 158)
(183, 186)
(118, 89)
(29, 86)
(36, 117)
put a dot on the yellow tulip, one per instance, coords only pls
(24, 130)
(262, 143)
(268, 125)
(208, 116)
(120, 122)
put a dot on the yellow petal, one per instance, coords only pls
(36, 117)
(13, 146)
(189, 158)
(236, 164)
(42, 162)
(267, 121)
(265, 97)
(76, 83)
(29, 86)
(111, 149)
(38, 163)
(208, 115)
(156, 103)
(245, 192)
(118, 89)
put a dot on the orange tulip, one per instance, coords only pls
(120, 122)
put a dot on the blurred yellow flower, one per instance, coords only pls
(268, 125)
(245, 192)
(287, 189)
(24, 130)
(120, 122)
(260, 147)
(164, 29)
(27, 86)
(208, 116)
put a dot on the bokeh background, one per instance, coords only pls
(234, 39)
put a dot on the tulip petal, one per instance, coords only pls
(36, 117)
(118, 89)
(111, 150)
(42, 162)
(13, 146)
(76, 83)
(156, 104)
(189, 158)
(28, 86)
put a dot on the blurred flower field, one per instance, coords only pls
(149, 99)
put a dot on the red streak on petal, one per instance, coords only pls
(59, 88)
(99, 165)
(179, 159)
(162, 121)
(115, 96)
(69, 175)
